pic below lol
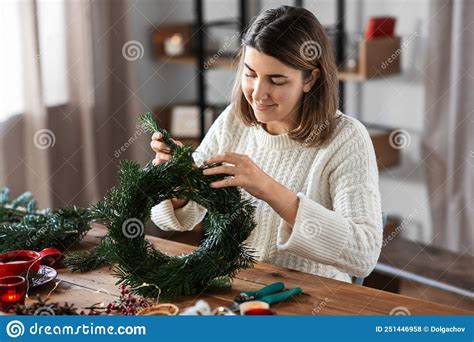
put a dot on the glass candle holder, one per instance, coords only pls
(12, 292)
(174, 45)
(259, 312)
(253, 304)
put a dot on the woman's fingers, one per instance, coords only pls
(159, 146)
(157, 136)
(227, 157)
(162, 150)
(161, 158)
(231, 181)
(179, 143)
(224, 169)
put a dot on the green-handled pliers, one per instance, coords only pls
(271, 294)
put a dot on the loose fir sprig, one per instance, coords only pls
(22, 226)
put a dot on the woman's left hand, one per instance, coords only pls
(245, 172)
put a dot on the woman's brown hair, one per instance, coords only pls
(295, 37)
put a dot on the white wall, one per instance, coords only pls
(396, 101)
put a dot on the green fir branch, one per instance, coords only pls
(24, 227)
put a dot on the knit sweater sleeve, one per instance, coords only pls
(186, 218)
(349, 235)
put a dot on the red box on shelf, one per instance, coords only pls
(380, 27)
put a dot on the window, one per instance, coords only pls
(52, 40)
(11, 72)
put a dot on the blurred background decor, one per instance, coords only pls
(75, 74)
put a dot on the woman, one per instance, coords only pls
(311, 168)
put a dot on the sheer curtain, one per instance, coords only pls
(449, 131)
(61, 143)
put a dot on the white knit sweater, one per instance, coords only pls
(338, 227)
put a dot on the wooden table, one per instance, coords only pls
(322, 296)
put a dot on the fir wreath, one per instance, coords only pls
(126, 208)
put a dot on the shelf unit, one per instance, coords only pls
(201, 53)
(228, 63)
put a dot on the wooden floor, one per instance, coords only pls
(431, 294)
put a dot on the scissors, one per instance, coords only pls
(271, 294)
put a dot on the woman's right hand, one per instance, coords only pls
(163, 154)
(162, 150)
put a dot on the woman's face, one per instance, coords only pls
(274, 90)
